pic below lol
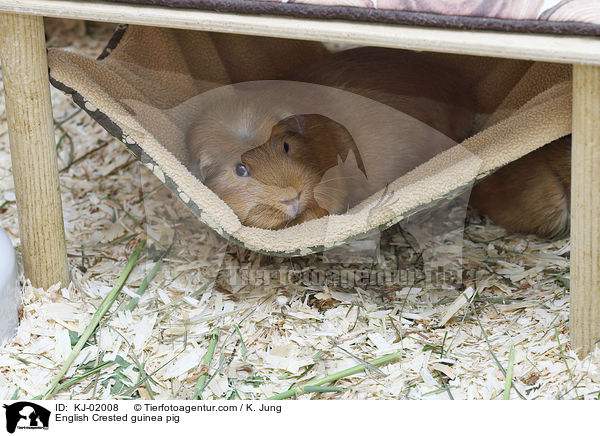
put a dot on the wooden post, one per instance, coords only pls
(33, 149)
(585, 209)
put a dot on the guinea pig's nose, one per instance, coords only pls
(293, 205)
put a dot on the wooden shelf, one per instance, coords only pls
(551, 48)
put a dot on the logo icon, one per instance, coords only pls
(26, 415)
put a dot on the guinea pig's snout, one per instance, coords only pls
(293, 205)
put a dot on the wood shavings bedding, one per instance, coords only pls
(274, 332)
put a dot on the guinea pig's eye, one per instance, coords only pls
(286, 148)
(241, 170)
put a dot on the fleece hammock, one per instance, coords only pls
(138, 90)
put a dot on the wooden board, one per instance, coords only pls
(552, 48)
(585, 209)
(32, 149)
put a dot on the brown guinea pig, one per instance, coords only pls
(292, 177)
(532, 194)
(324, 172)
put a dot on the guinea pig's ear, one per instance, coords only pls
(295, 124)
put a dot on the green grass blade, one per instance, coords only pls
(322, 389)
(244, 349)
(487, 341)
(206, 361)
(509, 373)
(147, 280)
(77, 379)
(102, 309)
(383, 360)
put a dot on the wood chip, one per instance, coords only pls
(460, 302)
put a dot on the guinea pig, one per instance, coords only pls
(296, 174)
(532, 194)
(275, 168)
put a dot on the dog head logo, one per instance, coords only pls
(26, 415)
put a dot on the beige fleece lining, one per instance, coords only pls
(522, 105)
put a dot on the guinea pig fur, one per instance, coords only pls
(532, 194)
(292, 177)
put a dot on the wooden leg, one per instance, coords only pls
(585, 209)
(32, 148)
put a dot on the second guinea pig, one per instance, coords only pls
(532, 194)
